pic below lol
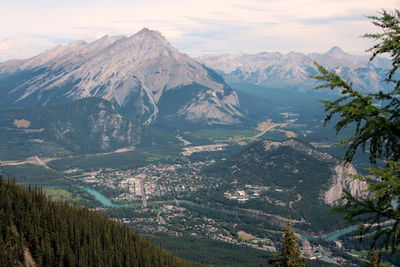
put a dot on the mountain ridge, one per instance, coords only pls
(133, 72)
(277, 70)
(292, 179)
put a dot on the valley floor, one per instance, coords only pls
(165, 193)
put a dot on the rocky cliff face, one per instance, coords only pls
(133, 72)
(276, 70)
(342, 180)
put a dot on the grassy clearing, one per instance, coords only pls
(60, 194)
(124, 160)
(245, 236)
(361, 253)
(221, 134)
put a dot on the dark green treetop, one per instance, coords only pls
(376, 117)
(47, 233)
(289, 255)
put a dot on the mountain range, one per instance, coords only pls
(293, 70)
(142, 80)
(149, 80)
(88, 113)
(135, 73)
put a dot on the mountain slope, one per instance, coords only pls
(82, 126)
(288, 179)
(133, 72)
(35, 231)
(276, 70)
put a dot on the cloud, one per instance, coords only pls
(330, 20)
(193, 26)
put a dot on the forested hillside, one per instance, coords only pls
(35, 231)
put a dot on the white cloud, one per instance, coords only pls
(195, 27)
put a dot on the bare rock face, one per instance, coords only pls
(133, 72)
(341, 181)
(28, 259)
(222, 111)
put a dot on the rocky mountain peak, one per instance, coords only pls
(78, 44)
(335, 52)
(104, 41)
(149, 32)
(134, 72)
(54, 54)
(149, 35)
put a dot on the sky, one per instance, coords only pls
(29, 27)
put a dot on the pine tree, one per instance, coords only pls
(289, 255)
(374, 259)
(376, 117)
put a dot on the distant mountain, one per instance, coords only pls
(36, 231)
(276, 70)
(291, 179)
(135, 73)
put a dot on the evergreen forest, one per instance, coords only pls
(36, 231)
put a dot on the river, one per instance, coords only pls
(107, 203)
(331, 236)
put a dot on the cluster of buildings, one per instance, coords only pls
(156, 180)
(148, 181)
(248, 192)
(189, 150)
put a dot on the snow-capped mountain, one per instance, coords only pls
(276, 70)
(133, 72)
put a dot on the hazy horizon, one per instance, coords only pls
(194, 27)
(205, 53)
